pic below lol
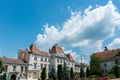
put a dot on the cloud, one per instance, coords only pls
(94, 25)
(115, 44)
(86, 29)
(51, 36)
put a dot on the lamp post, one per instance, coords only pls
(82, 67)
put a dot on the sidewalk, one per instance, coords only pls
(115, 79)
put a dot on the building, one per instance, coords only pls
(31, 61)
(15, 68)
(108, 58)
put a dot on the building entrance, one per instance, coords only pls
(13, 77)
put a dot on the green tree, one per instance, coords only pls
(71, 72)
(82, 74)
(66, 73)
(4, 76)
(1, 67)
(95, 68)
(43, 74)
(87, 72)
(59, 72)
(117, 71)
(52, 73)
(117, 68)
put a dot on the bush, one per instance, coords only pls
(110, 76)
(93, 76)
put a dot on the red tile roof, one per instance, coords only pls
(35, 50)
(69, 56)
(107, 55)
(80, 65)
(10, 60)
(56, 49)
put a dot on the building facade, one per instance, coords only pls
(31, 61)
(108, 58)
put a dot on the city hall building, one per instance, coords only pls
(31, 61)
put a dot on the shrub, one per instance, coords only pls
(110, 76)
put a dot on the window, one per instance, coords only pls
(105, 65)
(14, 68)
(58, 60)
(22, 69)
(106, 71)
(41, 66)
(6, 67)
(45, 65)
(45, 60)
(49, 67)
(61, 60)
(23, 55)
(49, 60)
(41, 59)
(35, 58)
(35, 65)
(25, 69)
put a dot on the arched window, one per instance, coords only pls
(23, 55)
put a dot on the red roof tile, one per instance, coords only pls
(69, 56)
(35, 50)
(11, 60)
(107, 55)
(83, 64)
(56, 49)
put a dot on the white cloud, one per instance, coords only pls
(115, 44)
(87, 30)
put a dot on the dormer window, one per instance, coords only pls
(23, 55)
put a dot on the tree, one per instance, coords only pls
(1, 67)
(82, 74)
(4, 76)
(71, 73)
(87, 72)
(117, 71)
(43, 74)
(66, 73)
(59, 72)
(117, 68)
(95, 68)
(53, 74)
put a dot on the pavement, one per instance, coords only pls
(115, 79)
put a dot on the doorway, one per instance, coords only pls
(13, 77)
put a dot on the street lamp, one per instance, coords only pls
(82, 67)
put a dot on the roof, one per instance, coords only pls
(81, 64)
(4, 59)
(69, 56)
(56, 49)
(107, 55)
(35, 50)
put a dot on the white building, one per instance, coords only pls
(108, 58)
(31, 61)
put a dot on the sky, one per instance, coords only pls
(78, 26)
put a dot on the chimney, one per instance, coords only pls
(106, 49)
(32, 47)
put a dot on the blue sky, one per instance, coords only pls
(79, 26)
